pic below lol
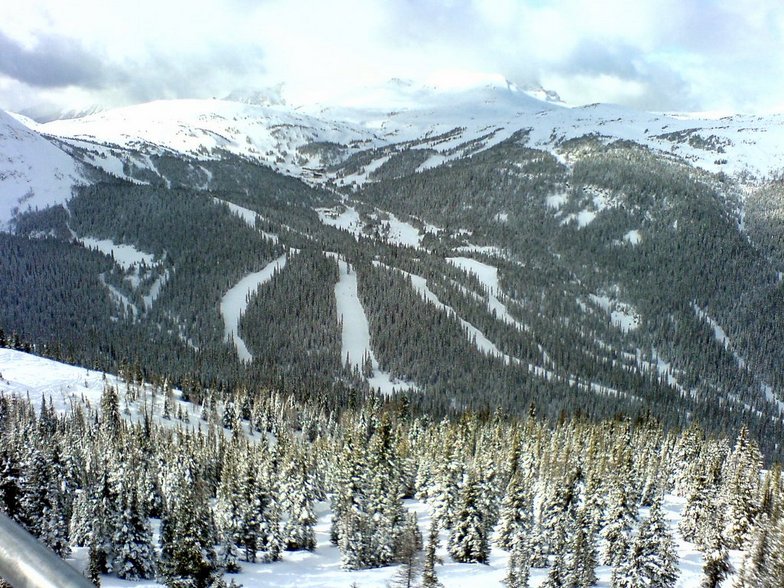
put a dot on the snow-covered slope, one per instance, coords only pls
(34, 173)
(453, 121)
(272, 134)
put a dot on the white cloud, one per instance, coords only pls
(657, 54)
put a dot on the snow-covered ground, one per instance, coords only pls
(452, 121)
(622, 315)
(272, 133)
(235, 301)
(389, 227)
(355, 342)
(345, 218)
(28, 376)
(126, 256)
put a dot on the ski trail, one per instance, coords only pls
(235, 301)
(355, 334)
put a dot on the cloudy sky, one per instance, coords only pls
(708, 55)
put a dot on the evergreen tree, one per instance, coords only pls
(716, 566)
(619, 520)
(741, 487)
(519, 569)
(429, 577)
(96, 564)
(582, 560)
(134, 554)
(469, 541)
(187, 542)
(299, 529)
(516, 518)
(651, 560)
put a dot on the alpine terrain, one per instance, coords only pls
(553, 334)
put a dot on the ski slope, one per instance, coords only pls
(355, 344)
(235, 302)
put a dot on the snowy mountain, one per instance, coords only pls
(383, 272)
(34, 173)
(467, 243)
(485, 111)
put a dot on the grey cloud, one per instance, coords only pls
(54, 62)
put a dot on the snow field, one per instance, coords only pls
(392, 229)
(126, 256)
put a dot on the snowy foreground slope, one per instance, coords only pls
(24, 375)
(34, 173)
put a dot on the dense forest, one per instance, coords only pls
(235, 478)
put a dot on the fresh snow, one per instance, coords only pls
(622, 315)
(345, 218)
(453, 121)
(556, 201)
(390, 228)
(360, 178)
(634, 237)
(355, 334)
(271, 134)
(235, 301)
(401, 233)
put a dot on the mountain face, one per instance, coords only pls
(472, 248)
(34, 173)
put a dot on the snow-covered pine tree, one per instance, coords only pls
(763, 563)
(429, 576)
(187, 541)
(651, 560)
(700, 509)
(383, 501)
(620, 518)
(558, 510)
(516, 517)
(741, 488)
(134, 553)
(298, 532)
(717, 565)
(469, 541)
(518, 569)
(582, 559)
